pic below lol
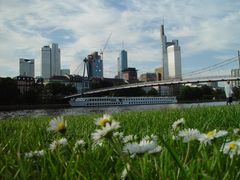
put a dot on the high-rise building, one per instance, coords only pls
(26, 67)
(164, 57)
(170, 57)
(174, 61)
(51, 61)
(46, 62)
(55, 60)
(122, 62)
(95, 65)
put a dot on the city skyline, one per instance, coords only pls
(80, 28)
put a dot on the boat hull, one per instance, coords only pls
(120, 101)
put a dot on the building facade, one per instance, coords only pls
(26, 67)
(174, 61)
(55, 60)
(130, 74)
(24, 83)
(148, 77)
(159, 74)
(94, 65)
(51, 61)
(235, 73)
(164, 57)
(170, 57)
(122, 62)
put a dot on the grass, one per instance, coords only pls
(177, 160)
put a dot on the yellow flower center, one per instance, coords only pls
(211, 133)
(232, 146)
(104, 121)
(61, 126)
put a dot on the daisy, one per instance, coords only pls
(236, 131)
(118, 135)
(189, 134)
(34, 153)
(125, 171)
(106, 119)
(155, 150)
(207, 138)
(231, 148)
(57, 124)
(56, 143)
(151, 137)
(128, 138)
(105, 131)
(79, 143)
(141, 147)
(178, 123)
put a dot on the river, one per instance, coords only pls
(89, 110)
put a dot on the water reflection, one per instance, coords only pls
(89, 110)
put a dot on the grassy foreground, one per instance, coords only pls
(107, 160)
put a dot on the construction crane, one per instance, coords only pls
(105, 45)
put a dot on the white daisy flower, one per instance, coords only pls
(105, 131)
(151, 137)
(140, 148)
(125, 171)
(34, 153)
(178, 123)
(79, 144)
(236, 131)
(128, 138)
(57, 124)
(155, 150)
(231, 148)
(56, 143)
(29, 154)
(207, 138)
(189, 134)
(106, 119)
(118, 134)
(39, 153)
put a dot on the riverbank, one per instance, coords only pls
(66, 105)
(31, 151)
(34, 106)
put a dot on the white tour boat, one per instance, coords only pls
(121, 101)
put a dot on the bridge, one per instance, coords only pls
(159, 83)
(171, 82)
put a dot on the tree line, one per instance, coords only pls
(38, 93)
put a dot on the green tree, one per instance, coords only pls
(9, 93)
(55, 91)
(153, 92)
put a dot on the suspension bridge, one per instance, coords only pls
(186, 78)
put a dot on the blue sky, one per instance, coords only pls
(208, 32)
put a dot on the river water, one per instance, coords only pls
(89, 110)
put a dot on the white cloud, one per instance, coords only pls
(200, 26)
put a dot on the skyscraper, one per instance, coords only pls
(26, 67)
(55, 60)
(164, 56)
(95, 65)
(174, 61)
(122, 62)
(51, 61)
(170, 57)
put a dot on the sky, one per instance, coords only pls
(208, 32)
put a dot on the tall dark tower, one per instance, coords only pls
(164, 57)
